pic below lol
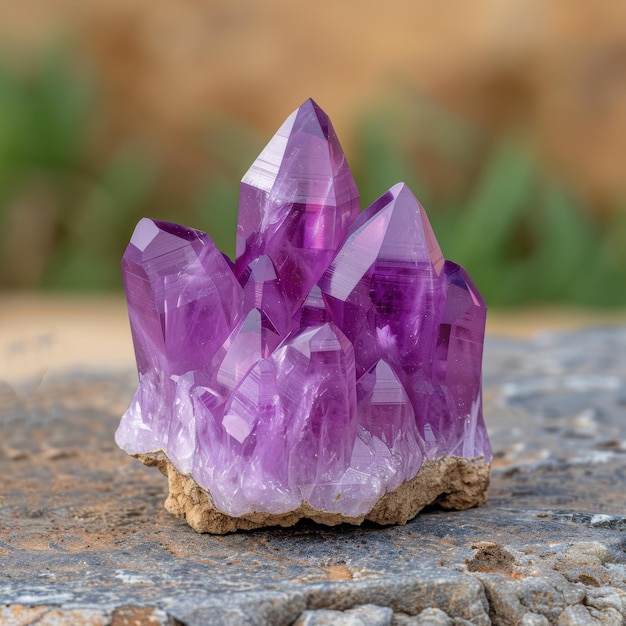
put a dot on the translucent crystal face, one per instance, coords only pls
(335, 356)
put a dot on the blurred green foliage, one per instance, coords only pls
(65, 215)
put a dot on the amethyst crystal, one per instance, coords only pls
(333, 372)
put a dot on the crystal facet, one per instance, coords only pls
(332, 372)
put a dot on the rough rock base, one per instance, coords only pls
(450, 482)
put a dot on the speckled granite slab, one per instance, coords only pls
(84, 538)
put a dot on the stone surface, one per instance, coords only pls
(366, 615)
(338, 365)
(83, 531)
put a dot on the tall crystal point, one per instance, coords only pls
(332, 372)
(297, 201)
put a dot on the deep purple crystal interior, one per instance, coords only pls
(338, 353)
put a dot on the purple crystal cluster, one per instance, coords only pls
(334, 357)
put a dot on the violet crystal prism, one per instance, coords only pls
(333, 372)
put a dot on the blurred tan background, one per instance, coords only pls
(557, 68)
(508, 118)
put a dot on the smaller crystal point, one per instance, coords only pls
(183, 299)
(314, 311)
(251, 341)
(297, 202)
(263, 291)
(254, 459)
(183, 302)
(389, 414)
(455, 411)
(208, 410)
(317, 383)
(390, 445)
(382, 289)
